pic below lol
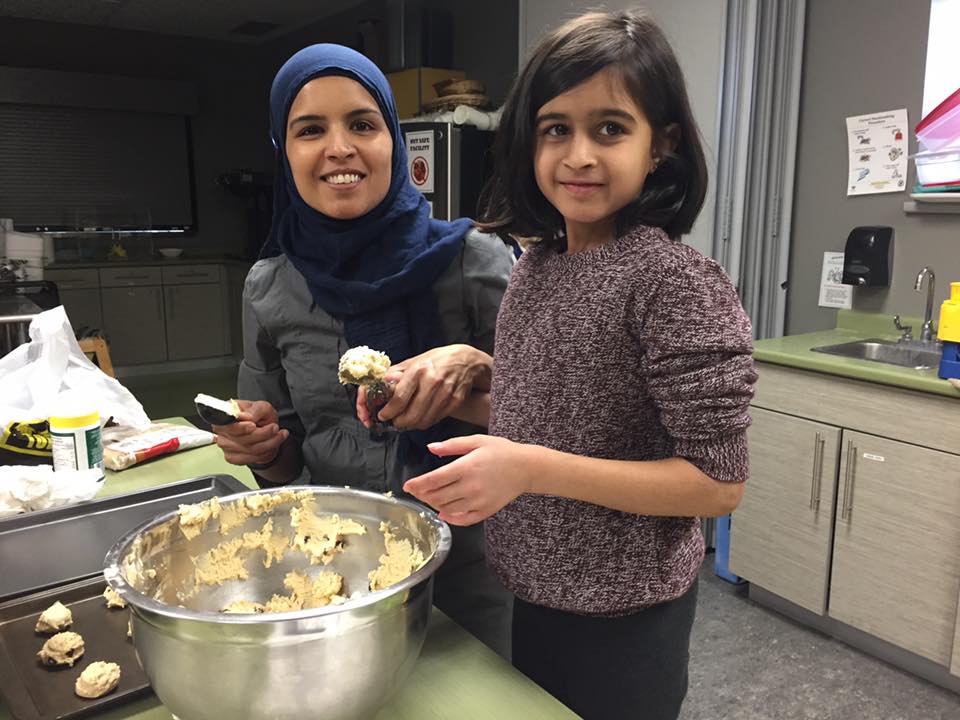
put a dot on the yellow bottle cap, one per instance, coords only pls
(73, 422)
(949, 329)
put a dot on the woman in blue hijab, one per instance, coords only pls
(354, 258)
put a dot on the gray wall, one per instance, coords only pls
(695, 28)
(860, 56)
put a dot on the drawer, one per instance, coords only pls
(129, 276)
(79, 279)
(191, 274)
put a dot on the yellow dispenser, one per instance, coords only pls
(949, 329)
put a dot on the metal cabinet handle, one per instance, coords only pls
(131, 277)
(159, 297)
(172, 303)
(818, 444)
(848, 478)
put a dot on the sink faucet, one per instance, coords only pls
(926, 331)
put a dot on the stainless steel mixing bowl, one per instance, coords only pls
(334, 662)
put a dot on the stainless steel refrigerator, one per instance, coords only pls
(449, 164)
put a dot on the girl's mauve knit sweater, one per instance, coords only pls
(636, 350)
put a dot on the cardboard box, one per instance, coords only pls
(414, 86)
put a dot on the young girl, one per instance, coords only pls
(621, 380)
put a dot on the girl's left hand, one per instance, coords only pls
(492, 473)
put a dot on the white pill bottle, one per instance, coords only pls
(75, 438)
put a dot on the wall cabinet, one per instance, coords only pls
(852, 510)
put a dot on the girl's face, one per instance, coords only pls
(594, 150)
(339, 147)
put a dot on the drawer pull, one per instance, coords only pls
(818, 444)
(849, 476)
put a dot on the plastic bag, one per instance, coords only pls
(125, 446)
(30, 487)
(37, 376)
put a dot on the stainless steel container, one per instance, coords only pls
(334, 662)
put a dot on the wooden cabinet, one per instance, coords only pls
(783, 526)
(195, 325)
(896, 553)
(134, 324)
(80, 296)
(881, 551)
(83, 309)
(156, 313)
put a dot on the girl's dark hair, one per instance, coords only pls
(633, 46)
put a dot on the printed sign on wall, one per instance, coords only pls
(420, 160)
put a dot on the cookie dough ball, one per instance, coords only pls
(64, 648)
(113, 598)
(55, 618)
(97, 679)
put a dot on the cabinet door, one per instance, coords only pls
(83, 309)
(194, 321)
(133, 321)
(896, 556)
(780, 533)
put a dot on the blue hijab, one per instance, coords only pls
(374, 272)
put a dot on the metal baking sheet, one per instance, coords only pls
(47, 548)
(34, 692)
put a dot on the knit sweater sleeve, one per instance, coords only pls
(698, 364)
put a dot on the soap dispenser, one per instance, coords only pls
(868, 257)
(949, 334)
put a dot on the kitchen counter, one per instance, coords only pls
(795, 351)
(456, 676)
(185, 259)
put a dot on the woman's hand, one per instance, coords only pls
(492, 473)
(255, 438)
(430, 386)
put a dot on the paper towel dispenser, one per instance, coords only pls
(868, 257)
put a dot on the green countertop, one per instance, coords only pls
(456, 676)
(795, 351)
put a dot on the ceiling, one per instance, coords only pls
(210, 19)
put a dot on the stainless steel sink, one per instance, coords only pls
(889, 352)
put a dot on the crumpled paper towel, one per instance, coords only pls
(24, 488)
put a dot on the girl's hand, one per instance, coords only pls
(430, 386)
(492, 473)
(255, 438)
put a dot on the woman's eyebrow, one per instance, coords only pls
(359, 112)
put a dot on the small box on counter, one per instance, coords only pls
(414, 86)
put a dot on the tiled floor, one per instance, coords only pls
(750, 663)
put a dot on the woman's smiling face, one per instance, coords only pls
(339, 147)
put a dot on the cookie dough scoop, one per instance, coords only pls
(363, 366)
(216, 411)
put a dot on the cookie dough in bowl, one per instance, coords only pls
(293, 581)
